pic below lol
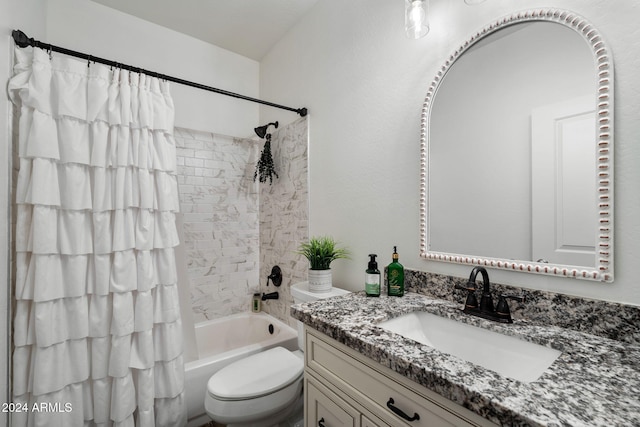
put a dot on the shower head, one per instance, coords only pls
(261, 131)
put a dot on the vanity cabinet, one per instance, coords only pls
(345, 388)
(327, 409)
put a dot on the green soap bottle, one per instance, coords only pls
(395, 272)
(372, 278)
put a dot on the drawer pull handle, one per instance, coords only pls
(400, 413)
(321, 422)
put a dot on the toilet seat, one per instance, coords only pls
(257, 386)
(257, 375)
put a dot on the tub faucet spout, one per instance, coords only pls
(272, 295)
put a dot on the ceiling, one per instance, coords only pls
(247, 27)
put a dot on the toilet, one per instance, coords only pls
(265, 388)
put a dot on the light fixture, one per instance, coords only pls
(416, 18)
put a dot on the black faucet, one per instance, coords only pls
(272, 295)
(485, 309)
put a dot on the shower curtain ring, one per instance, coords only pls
(88, 61)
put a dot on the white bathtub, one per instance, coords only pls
(223, 341)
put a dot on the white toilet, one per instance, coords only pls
(265, 388)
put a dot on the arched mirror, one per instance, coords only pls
(517, 150)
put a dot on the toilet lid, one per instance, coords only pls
(257, 375)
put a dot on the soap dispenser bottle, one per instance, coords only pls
(395, 276)
(372, 278)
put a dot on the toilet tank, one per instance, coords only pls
(301, 293)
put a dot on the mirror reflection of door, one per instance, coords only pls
(479, 164)
(563, 186)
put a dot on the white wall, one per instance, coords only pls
(92, 28)
(364, 84)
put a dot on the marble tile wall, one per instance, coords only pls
(284, 216)
(236, 230)
(219, 202)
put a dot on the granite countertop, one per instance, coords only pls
(594, 382)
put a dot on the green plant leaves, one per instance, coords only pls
(321, 251)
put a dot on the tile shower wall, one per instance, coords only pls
(284, 216)
(235, 230)
(219, 201)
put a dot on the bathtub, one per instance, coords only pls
(222, 341)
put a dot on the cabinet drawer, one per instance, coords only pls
(376, 391)
(366, 422)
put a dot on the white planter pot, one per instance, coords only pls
(320, 280)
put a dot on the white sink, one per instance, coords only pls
(508, 356)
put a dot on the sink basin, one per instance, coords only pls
(508, 356)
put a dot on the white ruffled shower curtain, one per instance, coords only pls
(97, 329)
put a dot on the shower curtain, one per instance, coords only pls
(97, 329)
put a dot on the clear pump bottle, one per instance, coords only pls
(372, 278)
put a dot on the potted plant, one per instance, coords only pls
(321, 252)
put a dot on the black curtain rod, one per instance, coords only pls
(22, 40)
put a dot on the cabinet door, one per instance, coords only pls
(325, 409)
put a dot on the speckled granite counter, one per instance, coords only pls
(594, 382)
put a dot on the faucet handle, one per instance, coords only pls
(275, 276)
(502, 309)
(518, 298)
(469, 288)
(472, 301)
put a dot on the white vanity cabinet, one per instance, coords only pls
(327, 409)
(345, 388)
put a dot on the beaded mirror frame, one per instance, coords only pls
(603, 269)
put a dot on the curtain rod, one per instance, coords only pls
(23, 41)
